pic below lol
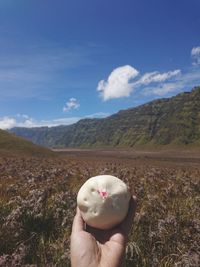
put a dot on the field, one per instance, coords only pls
(38, 201)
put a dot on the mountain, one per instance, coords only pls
(13, 145)
(167, 121)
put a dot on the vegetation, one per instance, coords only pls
(38, 191)
(13, 145)
(38, 200)
(172, 121)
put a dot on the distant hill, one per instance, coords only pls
(14, 145)
(168, 121)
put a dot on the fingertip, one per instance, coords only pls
(133, 202)
(134, 198)
(132, 207)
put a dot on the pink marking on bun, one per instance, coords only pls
(103, 194)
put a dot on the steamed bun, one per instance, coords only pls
(103, 201)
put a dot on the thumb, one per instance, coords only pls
(78, 223)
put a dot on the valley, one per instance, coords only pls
(164, 157)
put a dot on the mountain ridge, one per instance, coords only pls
(165, 121)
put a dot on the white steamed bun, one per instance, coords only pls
(103, 201)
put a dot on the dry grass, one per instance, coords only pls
(38, 199)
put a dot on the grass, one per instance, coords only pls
(13, 145)
(38, 200)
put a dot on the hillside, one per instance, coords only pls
(13, 145)
(168, 121)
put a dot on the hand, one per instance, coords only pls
(92, 247)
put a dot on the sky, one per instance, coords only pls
(66, 60)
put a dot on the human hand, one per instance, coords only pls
(92, 247)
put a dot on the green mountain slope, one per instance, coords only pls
(169, 121)
(13, 145)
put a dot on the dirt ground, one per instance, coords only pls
(189, 158)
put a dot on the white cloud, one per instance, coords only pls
(20, 120)
(184, 82)
(23, 120)
(98, 115)
(10, 122)
(118, 83)
(161, 89)
(157, 77)
(72, 103)
(7, 123)
(195, 53)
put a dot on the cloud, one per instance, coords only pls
(124, 80)
(22, 116)
(72, 103)
(183, 82)
(98, 115)
(195, 53)
(118, 83)
(10, 122)
(20, 120)
(156, 77)
(23, 120)
(176, 81)
(161, 89)
(7, 123)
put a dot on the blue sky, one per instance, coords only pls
(64, 60)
